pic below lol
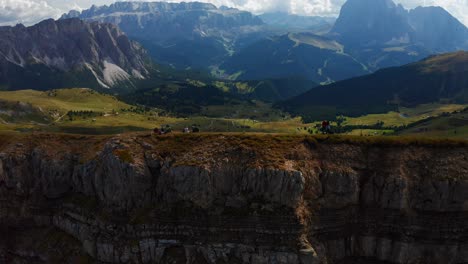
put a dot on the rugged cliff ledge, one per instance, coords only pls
(231, 199)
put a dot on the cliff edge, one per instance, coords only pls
(239, 198)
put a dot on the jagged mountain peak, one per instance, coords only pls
(144, 7)
(168, 20)
(382, 22)
(184, 35)
(364, 22)
(71, 45)
(438, 29)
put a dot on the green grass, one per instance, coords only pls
(252, 109)
(316, 41)
(370, 132)
(234, 118)
(57, 103)
(64, 100)
(235, 75)
(450, 126)
(249, 117)
(406, 115)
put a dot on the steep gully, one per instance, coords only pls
(231, 199)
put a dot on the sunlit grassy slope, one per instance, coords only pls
(406, 115)
(118, 117)
(447, 126)
(64, 100)
(253, 116)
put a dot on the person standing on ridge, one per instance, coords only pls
(324, 126)
(328, 127)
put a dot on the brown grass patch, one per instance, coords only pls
(124, 155)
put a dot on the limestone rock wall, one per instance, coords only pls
(323, 203)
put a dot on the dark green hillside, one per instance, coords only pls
(447, 125)
(187, 53)
(306, 55)
(442, 78)
(41, 77)
(190, 96)
(274, 90)
(180, 98)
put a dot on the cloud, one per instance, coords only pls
(303, 7)
(25, 11)
(458, 8)
(31, 11)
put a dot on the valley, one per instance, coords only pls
(190, 133)
(227, 70)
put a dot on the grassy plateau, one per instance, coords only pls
(84, 111)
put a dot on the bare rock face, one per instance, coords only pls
(226, 199)
(382, 22)
(162, 21)
(71, 46)
(183, 35)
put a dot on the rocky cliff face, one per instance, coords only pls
(371, 22)
(100, 51)
(437, 29)
(381, 34)
(160, 21)
(231, 199)
(181, 34)
(382, 22)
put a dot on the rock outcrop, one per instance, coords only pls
(231, 199)
(69, 52)
(381, 34)
(371, 23)
(162, 21)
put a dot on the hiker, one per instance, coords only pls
(186, 130)
(325, 124)
(195, 129)
(328, 128)
(156, 131)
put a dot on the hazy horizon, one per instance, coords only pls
(29, 12)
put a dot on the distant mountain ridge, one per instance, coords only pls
(167, 20)
(319, 59)
(296, 22)
(237, 45)
(436, 79)
(70, 52)
(180, 34)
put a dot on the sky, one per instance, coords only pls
(32, 11)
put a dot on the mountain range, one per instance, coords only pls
(76, 53)
(195, 35)
(242, 57)
(67, 53)
(371, 34)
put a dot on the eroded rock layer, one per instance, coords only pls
(231, 199)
